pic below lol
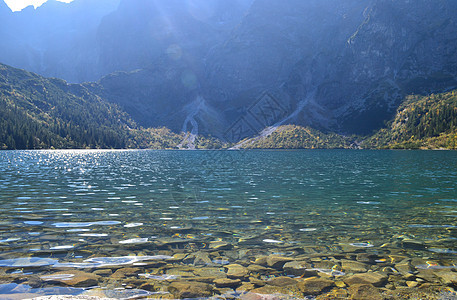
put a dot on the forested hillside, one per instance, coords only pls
(298, 137)
(427, 122)
(40, 113)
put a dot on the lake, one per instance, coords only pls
(177, 224)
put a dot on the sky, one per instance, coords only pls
(16, 5)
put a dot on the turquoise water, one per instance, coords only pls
(62, 210)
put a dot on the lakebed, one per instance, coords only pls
(324, 224)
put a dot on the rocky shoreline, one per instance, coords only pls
(222, 271)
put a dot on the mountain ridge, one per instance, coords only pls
(338, 66)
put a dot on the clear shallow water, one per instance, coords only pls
(95, 209)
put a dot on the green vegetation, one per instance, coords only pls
(298, 137)
(421, 122)
(40, 113)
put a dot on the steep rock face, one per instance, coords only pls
(337, 65)
(402, 47)
(162, 47)
(349, 64)
(288, 48)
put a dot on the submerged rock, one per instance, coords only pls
(447, 277)
(245, 287)
(282, 281)
(73, 278)
(354, 266)
(227, 283)
(236, 271)
(277, 262)
(260, 269)
(315, 286)
(275, 292)
(190, 289)
(299, 269)
(364, 291)
(215, 273)
(216, 245)
(273, 261)
(376, 279)
(126, 272)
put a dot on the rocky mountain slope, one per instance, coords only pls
(206, 66)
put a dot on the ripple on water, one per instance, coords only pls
(63, 247)
(159, 277)
(9, 240)
(131, 225)
(272, 241)
(93, 234)
(307, 229)
(368, 202)
(62, 277)
(13, 288)
(33, 222)
(442, 251)
(134, 241)
(85, 224)
(28, 262)
(221, 262)
(362, 245)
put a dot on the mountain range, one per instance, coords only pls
(231, 68)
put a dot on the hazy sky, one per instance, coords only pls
(16, 5)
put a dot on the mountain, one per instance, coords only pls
(401, 48)
(345, 65)
(232, 68)
(43, 113)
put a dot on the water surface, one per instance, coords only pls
(88, 210)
